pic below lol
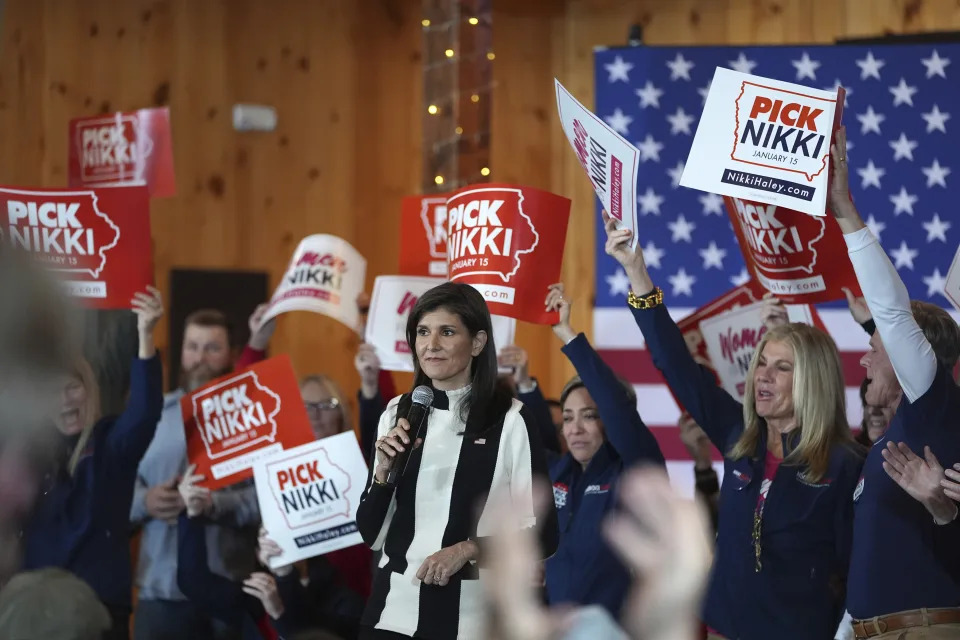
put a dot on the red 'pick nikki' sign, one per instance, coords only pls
(236, 420)
(800, 258)
(123, 149)
(97, 241)
(507, 241)
(423, 236)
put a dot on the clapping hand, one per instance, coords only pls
(268, 549)
(198, 499)
(263, 587)
(921, 478)
(664, 539)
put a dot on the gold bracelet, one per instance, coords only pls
(378, 482)
(648, 301)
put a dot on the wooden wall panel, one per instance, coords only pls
(535, 41)
(343, 75)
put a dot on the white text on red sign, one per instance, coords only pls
(49, 227)
(476, 229)
(230, 413)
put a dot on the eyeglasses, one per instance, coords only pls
(317, 407)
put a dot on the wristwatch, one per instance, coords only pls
(648, 301)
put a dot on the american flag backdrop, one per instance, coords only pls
(903, 121)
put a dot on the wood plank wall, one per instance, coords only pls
(345, 76)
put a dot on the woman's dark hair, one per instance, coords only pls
(487, 402)
(863, 436)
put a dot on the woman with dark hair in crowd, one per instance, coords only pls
(604, 436)
(477, 442)
(791, 466)
(876, 418)
(253, 607)
(80, 524)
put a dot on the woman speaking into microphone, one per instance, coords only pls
(429, 516)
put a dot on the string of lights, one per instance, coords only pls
(457, 85)
(476, 94)
(474, 21)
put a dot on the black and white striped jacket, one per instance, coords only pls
(436, 505)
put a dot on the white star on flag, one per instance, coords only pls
(713, 256)
(704, 91)
(936, 229)
(870, 121)
(903, 93)
(741, 278)
(903, 202)
(652, 255)
(903, 256)
(649, 149)
(650, 202)
(876, 227)
(680, 67)
(742, 64)
(649, 95)
(681, 229)
(619, 283)
(870, 66)
(936, 120)
(936, 283)
(936, 175)
(936, 66)
(618, 70)
(870, 175)
(712, 203)
(619, 121)
(806, 68)
(680, 122)
(903, 147)
(675, 174)
(682, 283)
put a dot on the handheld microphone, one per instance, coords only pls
(422, 398)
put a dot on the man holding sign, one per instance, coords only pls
(162, 610)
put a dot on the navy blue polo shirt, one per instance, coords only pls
(901, 559)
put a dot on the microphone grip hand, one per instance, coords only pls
(412, 426)
(393, 450)
(390, 447)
